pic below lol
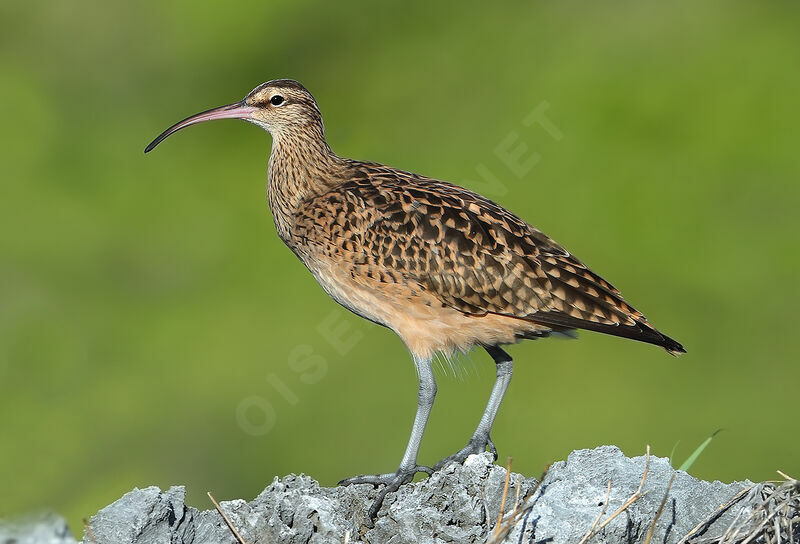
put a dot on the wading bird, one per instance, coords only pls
(443, 267)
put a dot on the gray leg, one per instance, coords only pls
(408, 465)
(425, 398)
(480, 438)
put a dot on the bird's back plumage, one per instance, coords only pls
(467, 253)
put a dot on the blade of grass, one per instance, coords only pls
(696, 453)
(672, 453)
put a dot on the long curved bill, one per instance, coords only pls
(237, 110)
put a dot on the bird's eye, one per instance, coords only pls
(276, 100)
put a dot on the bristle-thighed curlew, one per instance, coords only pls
(443, 267)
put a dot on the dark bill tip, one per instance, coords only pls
(237, 110)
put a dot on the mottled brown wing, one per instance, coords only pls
(477, 257)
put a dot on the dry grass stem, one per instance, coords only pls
(226, 518)
(770, 514)
(590, 532)
(638, 494)
(88, 530)
(503, 500)
(701, 527)
(659, 511)
(503, 529)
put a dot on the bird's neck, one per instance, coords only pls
(300, 167)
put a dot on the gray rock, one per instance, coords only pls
(573, 494)
(457, 504)
(47, 528)
(144, 516)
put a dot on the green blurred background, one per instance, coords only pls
(153, 327)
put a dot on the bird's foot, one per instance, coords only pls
(391, 482)
(477, 444)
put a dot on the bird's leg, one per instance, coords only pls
(408, 466)
(480, 438)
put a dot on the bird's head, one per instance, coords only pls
(280, 106)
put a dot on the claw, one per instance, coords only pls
(492, 448)
(391, 481)
(474, 446)
(378, 502)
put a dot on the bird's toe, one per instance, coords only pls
(391, 482)
(374, 479)
(474, 446)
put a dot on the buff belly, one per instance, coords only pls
(422, 321)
